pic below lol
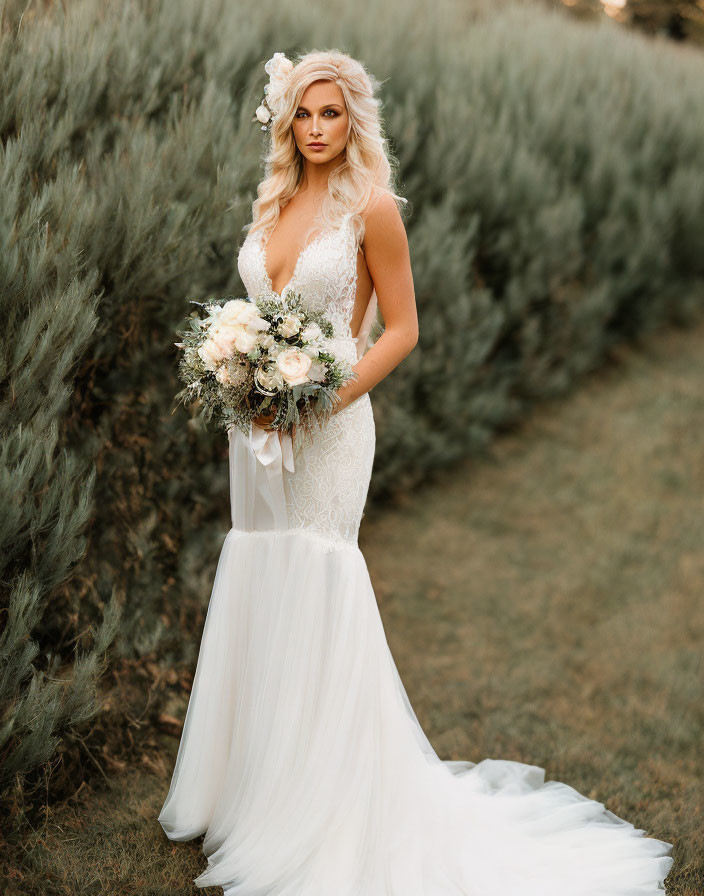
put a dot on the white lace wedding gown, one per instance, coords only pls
(301, 759)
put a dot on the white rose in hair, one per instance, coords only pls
(279, 69)
(290, 325)
(294, 366)
(278, 64)
(262, 114)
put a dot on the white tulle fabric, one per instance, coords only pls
(301, 759)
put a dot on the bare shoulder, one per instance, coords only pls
(383, 225)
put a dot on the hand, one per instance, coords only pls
(265, 419)
(343, 402)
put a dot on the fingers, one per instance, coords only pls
(265, 423)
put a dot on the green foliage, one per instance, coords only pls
(558, 197)
(556, 182)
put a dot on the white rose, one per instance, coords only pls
(267, 340)
(278, 64)
(311, 333)
(262, 114)
(255, 322)
(211, 354)
(269, 379)
(290, 325)
(239, 327)
(318, 371)
(236, 311)
(246, 340)
(294, 366)
(225, 337)
(279, 69)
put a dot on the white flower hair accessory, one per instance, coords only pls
(279, 69)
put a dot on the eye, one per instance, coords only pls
(333, 112)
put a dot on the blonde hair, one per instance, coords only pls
(368, 166)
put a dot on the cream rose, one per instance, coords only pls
(243, 335)
(237, 311)
(279, 69)
(312, 333)
(269, 379)
(290, 325)
(267, 341)
(318, 371)
(294, 366)
(211, 354)
(225, 337)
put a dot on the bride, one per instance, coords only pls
(301, 759)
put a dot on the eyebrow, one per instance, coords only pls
(328, 106)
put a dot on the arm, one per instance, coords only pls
(388, 261)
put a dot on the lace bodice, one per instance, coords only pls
(325, 273)
(326, 493)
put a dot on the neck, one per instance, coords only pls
(315, 176)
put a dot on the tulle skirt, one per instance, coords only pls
(305, 767)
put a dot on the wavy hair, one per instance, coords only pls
(368, 165)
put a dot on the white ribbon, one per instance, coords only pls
(275, 453)
(272, 448)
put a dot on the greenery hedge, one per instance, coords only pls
(555, 178)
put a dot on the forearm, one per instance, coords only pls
(377, 363)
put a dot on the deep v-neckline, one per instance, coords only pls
(262, 248)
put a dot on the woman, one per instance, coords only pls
(301, 759)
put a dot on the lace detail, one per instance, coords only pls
(326, 494)
(328, 491)
(325, 273)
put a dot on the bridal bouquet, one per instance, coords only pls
(247, 357)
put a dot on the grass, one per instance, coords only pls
(542, 604)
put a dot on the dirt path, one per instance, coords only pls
(543, 604)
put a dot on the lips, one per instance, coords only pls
(317, 144)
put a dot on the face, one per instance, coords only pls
(321, 117)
